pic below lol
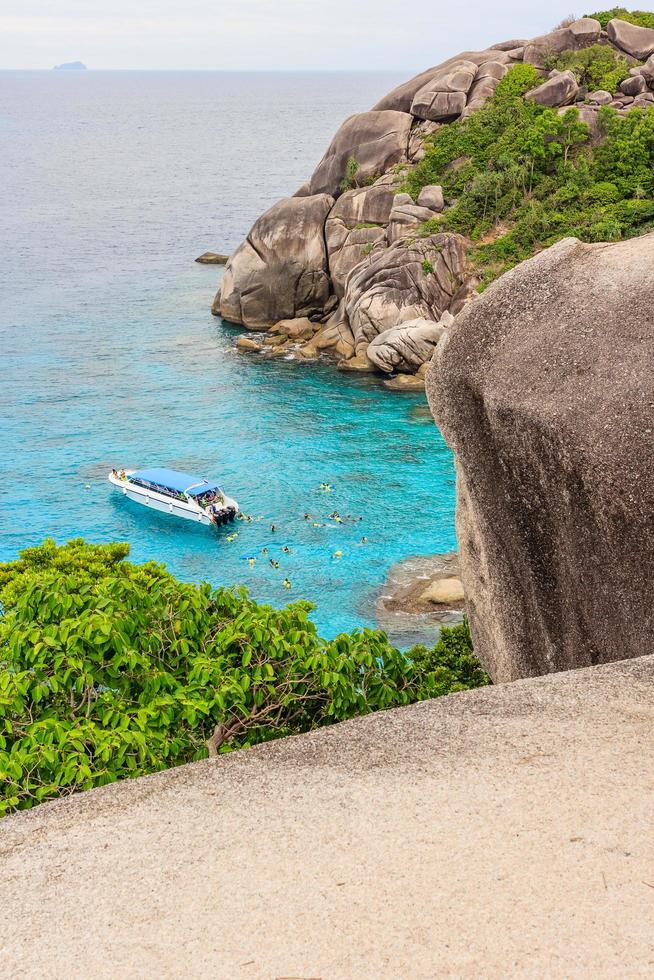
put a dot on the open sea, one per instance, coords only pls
(112, 183)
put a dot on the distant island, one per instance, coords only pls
(71, 66)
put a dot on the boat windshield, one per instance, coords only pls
(158, 488)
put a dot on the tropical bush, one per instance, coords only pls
(642, 18)
(518, 177)
(111, 670)
(596, 67)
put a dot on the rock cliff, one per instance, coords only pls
(351, 251)
(544, 390)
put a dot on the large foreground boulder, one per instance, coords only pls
(544, 389)
(280, 270)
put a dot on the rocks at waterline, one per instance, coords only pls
(419, 591)
(407, 347)
(411, 279)
(280, 270)
(212, 258)
(543, 388)
(368, 216)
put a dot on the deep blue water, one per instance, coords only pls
(111, 184)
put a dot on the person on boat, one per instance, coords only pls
(114, 473)
(123, 475)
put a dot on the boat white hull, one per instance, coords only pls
(187, 510)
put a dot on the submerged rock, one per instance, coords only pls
(212, 258)
(543, 387)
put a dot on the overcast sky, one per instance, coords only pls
(261, 34)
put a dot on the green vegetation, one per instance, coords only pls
(642, 18)
(427, 267)
(518, 177)
(367, 248)
(351, 170)
(111, 670)
(596, 67)
(366, 224)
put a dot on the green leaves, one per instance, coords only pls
(110, 670)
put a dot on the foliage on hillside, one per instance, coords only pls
(642, 18)
(595, 67)
(518, 177)
(110, 670)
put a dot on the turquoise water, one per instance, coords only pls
(114, 182)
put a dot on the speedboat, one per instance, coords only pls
(179, 494)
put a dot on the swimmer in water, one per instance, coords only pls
(264, 551)
(273, 528)
(307, 516)
(275, 564)
(252, 561)
(286, 549)
(287, 584)
(232, 537)
(364, 540)
(338, 554)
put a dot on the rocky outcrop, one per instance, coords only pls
(407, 347)
(559, 90)
(353, 252)
(543, 388)
(580, 34)
(636, 41)
(280, 270)
(357, 221)
(406, 216)
(376, 140)
(403, 282)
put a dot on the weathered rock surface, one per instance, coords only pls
(516, 817)
(544, 389)
(431, 197)
(394, 285)
(358, 219)
(407, 347)
(445, 93)
(636, 41)
(280, 270)
(376, 140)
(406, 216)
(581, 34)
(560, 90)
(633, 85)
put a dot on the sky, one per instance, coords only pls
(261, 34)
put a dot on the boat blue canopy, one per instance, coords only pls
(174, 480)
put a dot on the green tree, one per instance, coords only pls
(110, 670)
